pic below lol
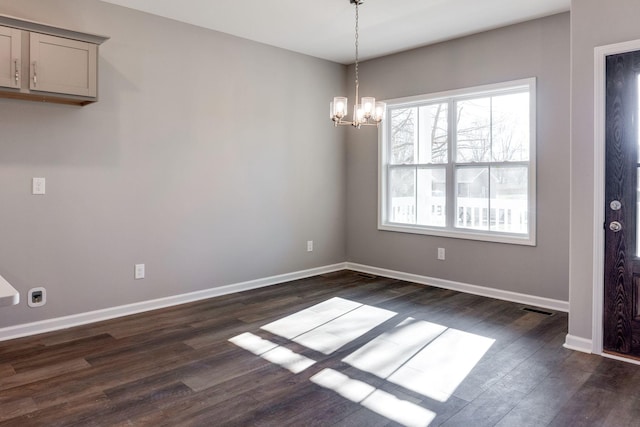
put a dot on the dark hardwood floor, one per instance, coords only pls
(372, 352)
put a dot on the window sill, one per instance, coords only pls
(480, 235)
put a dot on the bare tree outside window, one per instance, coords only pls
(419, 138)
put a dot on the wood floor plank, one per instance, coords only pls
(363, 417)
(625, 412)
(547, 399)
(235, 365)
(508, 352)
(76, 412)
(6, 370)
(291, 407)
(51, 355)
(487, 409)
(43, 373)
(589, 406)
(176, 366)
(75, 385)
(13, 408)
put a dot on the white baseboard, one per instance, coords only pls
(578, 344)
(464, 287)
(58, 323)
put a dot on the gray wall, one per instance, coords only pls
(593, 23)
(537, 48)
(208, 158)
(177, 168)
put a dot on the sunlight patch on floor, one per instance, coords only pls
(385, 354)
(310, 318)
(379, 401)
(328, 326)
(440, 368)
(424, 357)
(272, 352)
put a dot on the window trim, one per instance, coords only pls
(528, 239)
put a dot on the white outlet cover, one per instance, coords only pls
(38, 186)
(43, 299)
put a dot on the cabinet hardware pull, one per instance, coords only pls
(17, 75)
(35, 74)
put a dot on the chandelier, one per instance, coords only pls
(368, 112)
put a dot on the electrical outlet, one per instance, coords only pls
(37, 297)
(441, 254)
(38, 186)
(138, 272)
(309, 245)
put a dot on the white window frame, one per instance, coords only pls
(450, 230)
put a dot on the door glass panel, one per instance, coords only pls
(638, 213)
(636, 297)
(638, 172)
(638, 115)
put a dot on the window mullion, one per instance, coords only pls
(491, 159)
(451, 184)
(416, 161)
(415, 186)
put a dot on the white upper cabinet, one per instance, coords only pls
(10, 57)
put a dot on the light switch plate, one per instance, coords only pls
(139, 272)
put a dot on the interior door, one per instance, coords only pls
(621, 311)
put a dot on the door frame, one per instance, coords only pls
(599, 158)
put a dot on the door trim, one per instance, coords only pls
(600, 54)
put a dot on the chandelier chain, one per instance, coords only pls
(357, 26)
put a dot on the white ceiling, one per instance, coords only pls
(325, 28)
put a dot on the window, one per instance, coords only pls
(461, 164)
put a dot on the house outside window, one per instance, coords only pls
(461, 164)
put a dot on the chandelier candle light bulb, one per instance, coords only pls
(339, 107)
(367, 105)
(368, 112)
(358, 113)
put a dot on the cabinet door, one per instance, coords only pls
(10, 57)
(62, 65)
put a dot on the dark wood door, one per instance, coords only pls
(622, 264)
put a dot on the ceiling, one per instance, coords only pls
(325, 28)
